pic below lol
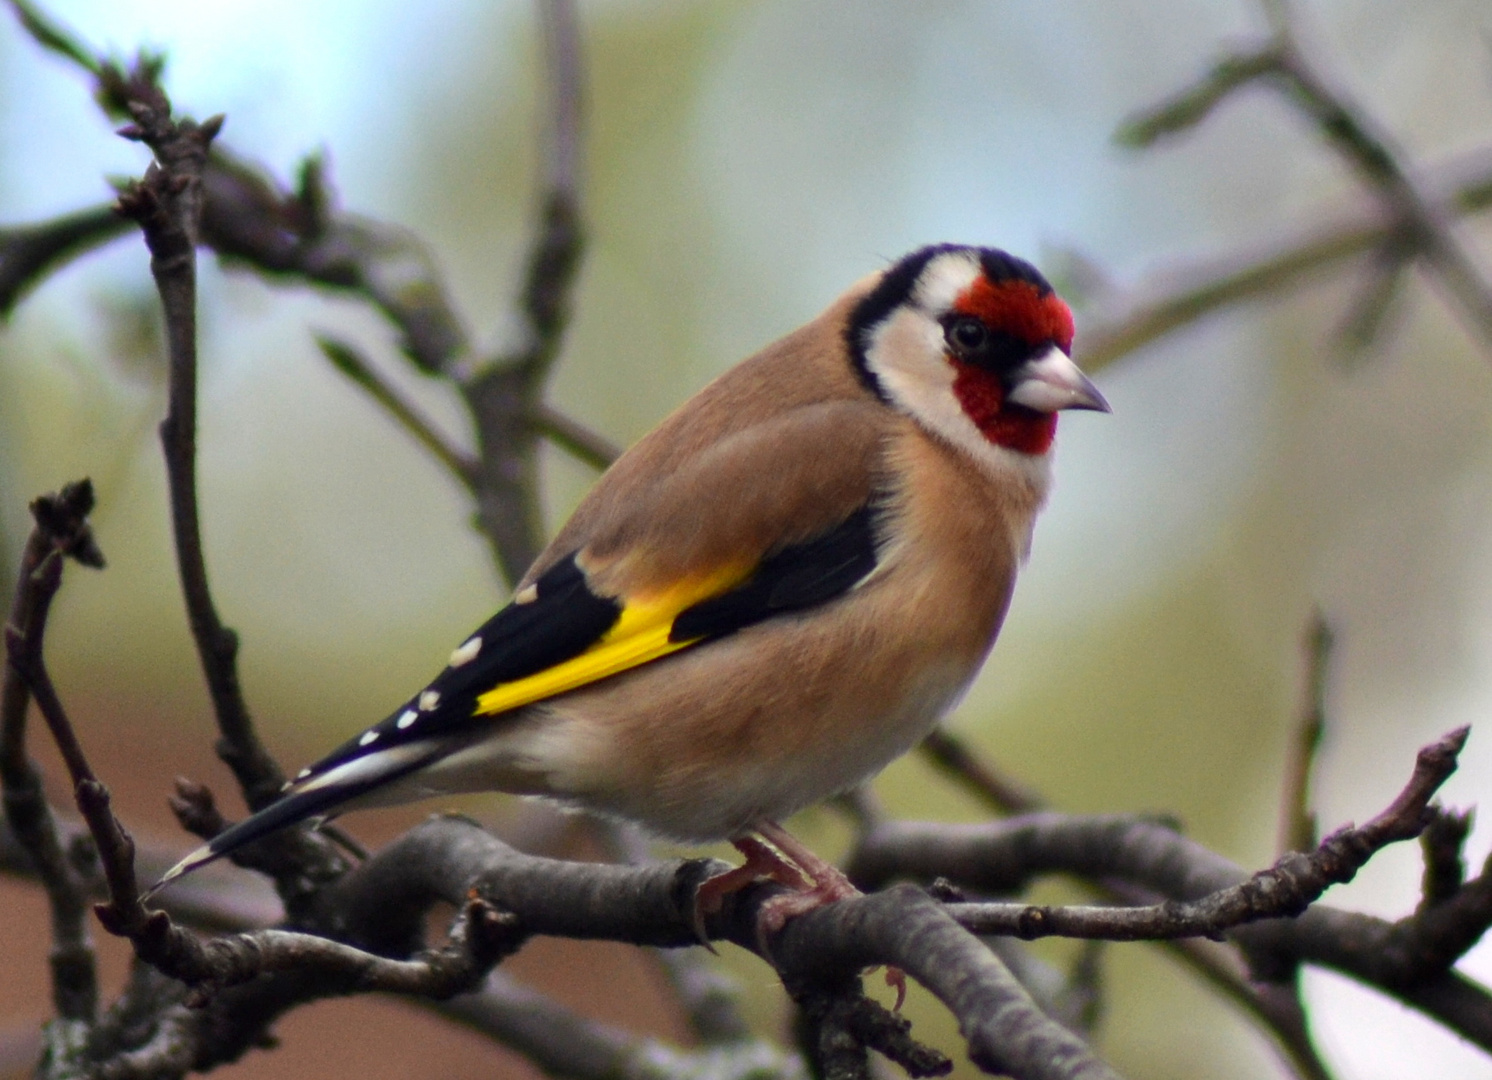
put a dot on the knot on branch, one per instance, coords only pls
(1294, 882)
(484, 934)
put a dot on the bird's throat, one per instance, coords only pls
(1003, 423)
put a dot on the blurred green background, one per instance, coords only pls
(747, 161)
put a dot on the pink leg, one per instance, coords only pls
(761, 863)
(814, 882)
(825, 882)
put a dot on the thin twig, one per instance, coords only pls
(1409, 959)
(168, 206)
(1377, 302)
(482, 936)
(1219, 967)
(1297, 822)
(350, 362)
(1285, 889)
(1186, 294)
(1370, 150)
(51, 35)
(956, 758)
(254, 222)
(570, 434)
(25, 652)
(61, 528)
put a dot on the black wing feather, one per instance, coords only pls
(794, 578)
(560, 623)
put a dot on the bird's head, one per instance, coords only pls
(974, 344)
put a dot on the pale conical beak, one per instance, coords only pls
(1052, 382)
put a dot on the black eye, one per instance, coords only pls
(967, 335)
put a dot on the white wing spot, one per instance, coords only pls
(407, 717)
(466, 653)
(429, 699)
(303, 774)
(369, 737)
(526, 595)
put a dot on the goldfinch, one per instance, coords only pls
(771, 596)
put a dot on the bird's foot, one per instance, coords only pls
(762, 863)
(828, 884)
(782, 858)
(825, 885)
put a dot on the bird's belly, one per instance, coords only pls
(707, 743)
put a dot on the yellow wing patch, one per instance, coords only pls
(639, 637)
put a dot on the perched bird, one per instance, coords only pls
(767, 599)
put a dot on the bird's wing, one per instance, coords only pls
(777, 518)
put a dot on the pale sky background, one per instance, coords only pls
(749, 161)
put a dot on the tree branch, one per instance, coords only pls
(1408, 959)
(1286, 889)
(1189, 292)
(708, 997)
(571, 1047)
(652, 905)
(1280, 1015)
(1419, 224)
(168, 206)
(957, 759)
(61, 529)
(28, 253)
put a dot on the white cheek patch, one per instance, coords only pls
(945, 279)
